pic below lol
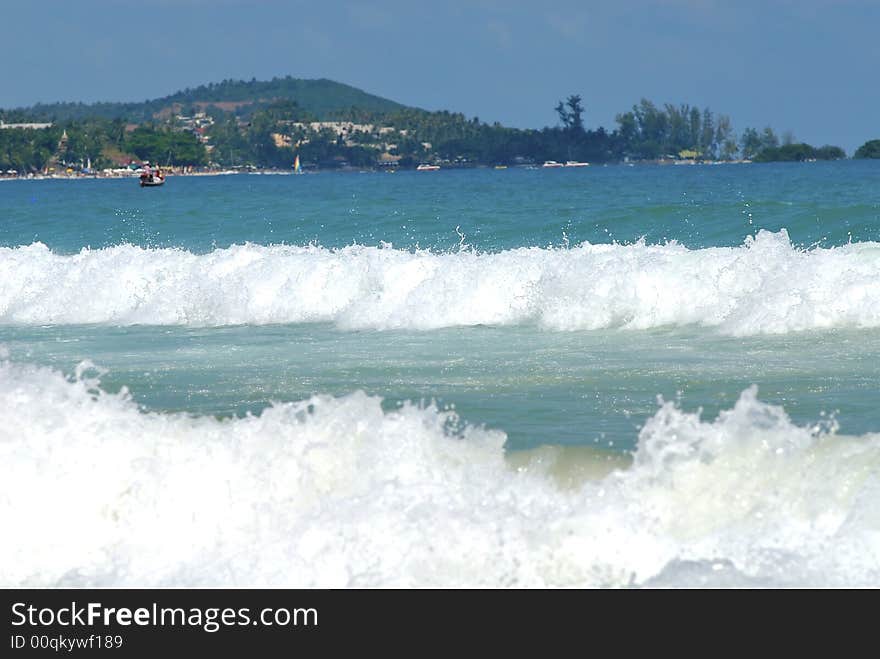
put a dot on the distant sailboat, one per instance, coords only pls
(297, 169)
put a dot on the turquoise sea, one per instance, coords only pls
(602, 376)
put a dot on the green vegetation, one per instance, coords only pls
(647, 132)
(67, 145)
(870, 149)
(27, 150)
(327, 124)
(98, 142)
(799, 153)
(165, 147)
(323, 98)
(752, 142)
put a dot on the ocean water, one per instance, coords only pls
(608, 376)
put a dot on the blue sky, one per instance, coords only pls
(808, 66)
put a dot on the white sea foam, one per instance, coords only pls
(764, 286)
(336, 492)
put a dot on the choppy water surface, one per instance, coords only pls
(516, 377)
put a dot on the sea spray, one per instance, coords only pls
(334, 492)
(767, 285)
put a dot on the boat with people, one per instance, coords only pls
(150, 179)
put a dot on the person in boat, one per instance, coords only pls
(147, 176)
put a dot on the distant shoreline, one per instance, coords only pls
(76, 176)
(171, 173)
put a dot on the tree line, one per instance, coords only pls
(322, 97)
(644, 133)
(274, 133)
(99, 142)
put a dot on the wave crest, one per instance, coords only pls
(764, 286)
(334, 492)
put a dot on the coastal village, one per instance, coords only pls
(291, 135)
(262, 127)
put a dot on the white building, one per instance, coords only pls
(33, 126)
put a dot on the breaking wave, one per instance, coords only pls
(764, 286)
(334, 492)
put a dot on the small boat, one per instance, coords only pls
(552, 163)
(151, 180)
(575, 163)
(427, 168)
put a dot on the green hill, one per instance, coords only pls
(321, 98)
